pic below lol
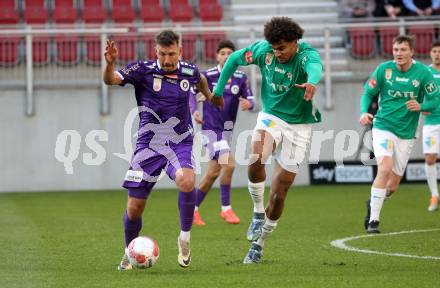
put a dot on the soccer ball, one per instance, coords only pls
(143, 252)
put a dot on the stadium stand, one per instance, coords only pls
(363, 42)
(66, 12)
(424, 36)
(9, 45)
(386, 35)
(211, 11)
(8, 12)
(36, 13)
(122, 11)
(151, 11)
(93, 12)
(181, 11)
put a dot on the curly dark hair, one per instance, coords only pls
(225, 44)
(167, 38)
(282, 28)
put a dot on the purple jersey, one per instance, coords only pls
(214, 118)
(161, 96)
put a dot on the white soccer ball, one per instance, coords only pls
(143, 252)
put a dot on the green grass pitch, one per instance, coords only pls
(75, 239)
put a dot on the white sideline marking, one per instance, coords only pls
(340, 243)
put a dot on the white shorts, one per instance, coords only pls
(386, 143)
(431, 139)
(291, 140)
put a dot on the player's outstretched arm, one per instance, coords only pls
(228, 69)
(203, 87)
(110, 55)
(309, 92)
(366, 119)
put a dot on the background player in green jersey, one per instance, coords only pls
(431, 133)
(290, 72)
(402, 84)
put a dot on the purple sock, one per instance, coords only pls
(131, 228)
(187, 201)
(200, 196)
(225, 194)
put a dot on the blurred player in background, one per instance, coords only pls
(165, 136)
(431, 134)
(290, 73)
(403, 84)
(217, 128)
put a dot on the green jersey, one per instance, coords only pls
(279, 95)
(395, 88)
(434, 117)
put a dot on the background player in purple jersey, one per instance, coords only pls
(165, 136)
(217, 128)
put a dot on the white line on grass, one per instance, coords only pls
(340, 243)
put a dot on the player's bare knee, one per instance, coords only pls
(135, 210)
(384, 172)
(256, 172)
(431, 159)
(213, 174)
(185, 183)
(229, 168)
(279, 196)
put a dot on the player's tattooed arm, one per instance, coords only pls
(110, 55)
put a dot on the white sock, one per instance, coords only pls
(431, 177)
(185, 235)
(268, 227)
(376, 202)
(257, 194)
(225, 208)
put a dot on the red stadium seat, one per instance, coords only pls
(386, 36)
(9, 50)
(210, 11)
(93, 49)
(363, 42)
(64, 12)
(8, 12)
(424, 36)
(151, 11)
(35, 12)
(149, 44)
(189, 46)
(40, 47)
(210, 43)
(180, 11)
(67, 49)
(93, 11)
(122, 11)
(127, 47)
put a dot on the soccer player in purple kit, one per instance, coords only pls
(165, 138)
(217, 128)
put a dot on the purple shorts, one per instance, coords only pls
(146, 166)
(217, 142)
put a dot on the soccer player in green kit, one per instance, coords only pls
(402, 84)
(290, 73)
(431, 134)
